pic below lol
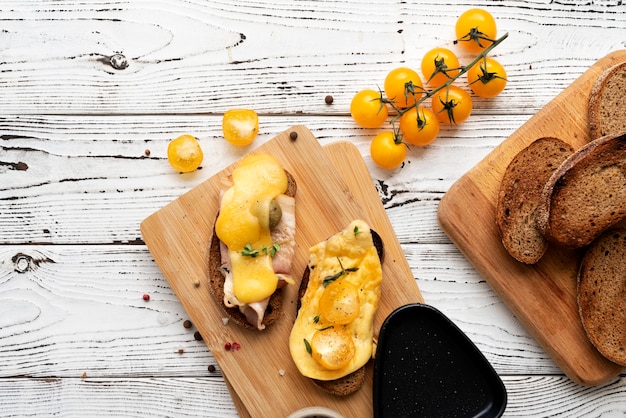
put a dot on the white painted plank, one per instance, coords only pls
(528, 396)
(88, 180)
(277, 57)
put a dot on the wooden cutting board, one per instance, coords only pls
(542, 296)
(331, 193)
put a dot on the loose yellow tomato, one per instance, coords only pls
(367, 109)
(475, 29)
(452, 105)
(439, 65)
(419, 126)
(487, 78)
(184, 153)
(402, 86)
(387, 150)
(240, 126)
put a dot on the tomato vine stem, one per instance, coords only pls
(429, 93)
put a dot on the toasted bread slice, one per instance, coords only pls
(520, 193)
(216, 280)
(587, 194)
(607, 103)
(353, 381)
(601, 290)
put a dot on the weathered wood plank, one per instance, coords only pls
(69, 309)
(207, 397)
(276, 57)
(89, 180)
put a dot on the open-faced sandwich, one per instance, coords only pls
(332, 338)
(253, 242)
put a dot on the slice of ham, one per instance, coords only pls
(284, 234)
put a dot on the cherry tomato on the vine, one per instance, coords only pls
(184, 153)
(367, 109)
(452, 105)
(240, 126)
(487, 78)
(419, 126)
(439, 65)
(403, 86)
(387, 151)
(475, 29)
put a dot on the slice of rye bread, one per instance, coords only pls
(607, 103)
(352, 382)
(216, 279)
(602, 294)
(519, 194)
(586, 195)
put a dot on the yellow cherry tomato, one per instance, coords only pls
(339, 303)
(487, 78)
(367, 109)
(475, 29)
(240, 126)
(402, 86)
(387, 151)
(184, 153)
(452, 105)
(419, 126)
(332, 348)
(439, 65)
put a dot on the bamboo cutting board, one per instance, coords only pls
(542, 296)
(261, 374)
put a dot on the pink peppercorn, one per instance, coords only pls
(236, 346)
(227, 346)
(146, 297)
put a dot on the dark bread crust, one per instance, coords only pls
(354, 381)
(607, 102)
(586, 195)
(216, 279)
(519, 196)
(601, 290)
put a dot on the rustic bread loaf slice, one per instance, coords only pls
(354, 381)
(602, 294)
(586, 195)
(519, 194)
(607, 103)
(274, 309)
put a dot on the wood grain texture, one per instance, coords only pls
(543, 296)
(205, 57)
(81, 127)
(178, 236)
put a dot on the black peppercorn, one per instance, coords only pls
(197, 336)
(329, 99)
(187, 323)
(293, 135)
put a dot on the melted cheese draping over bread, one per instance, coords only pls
(333, 332)
(243, 227)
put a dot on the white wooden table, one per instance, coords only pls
(83, 162)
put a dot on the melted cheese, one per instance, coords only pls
(355, 254)
(243, 222)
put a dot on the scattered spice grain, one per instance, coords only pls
(329, 99)
(146, 297)
(197, 336)
(187, 323)
(293, 135)
(211, 368)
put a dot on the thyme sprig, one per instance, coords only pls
(329, 279)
